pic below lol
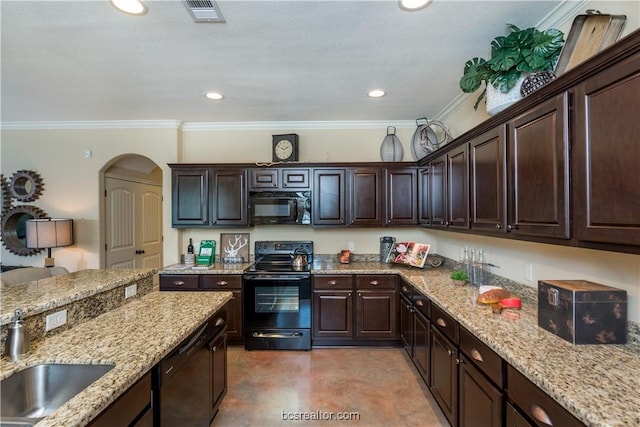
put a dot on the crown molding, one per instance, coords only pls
(106, 124)
(319, 125)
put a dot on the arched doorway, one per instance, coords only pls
(131, 213)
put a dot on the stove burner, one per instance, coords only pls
(275, 257)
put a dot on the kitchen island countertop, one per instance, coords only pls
(134, 337)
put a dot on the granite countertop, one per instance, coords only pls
(46, 294)
(216, 268)
(598, 384)
(134, 337)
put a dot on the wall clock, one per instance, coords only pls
(285, 148)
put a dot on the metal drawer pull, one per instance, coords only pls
(333, 282)
(539, 414)
(450, 352)
(420, 303)
(374, 283)
(405, 289)
(169, 370)
(179, 283)
(475, 355)
(459, 361)
(223, 283)
(214, 348)
(219, 321)
(441, 322)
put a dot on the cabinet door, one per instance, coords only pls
(365, 196)
(229, 197)
(263, 179)
(234, 316)
(406, 324)
(444, 375)
(421, 345)
(328, 197)
(333, 314)
(458, 188)
(401, 196)
(376, 315)
(218, 348)
(438, 193)
(480, 401)
(607, 155)
(539, 171)
(133, 403)
(487, 181)
(297, 179)
(424, 196)
(189, 197)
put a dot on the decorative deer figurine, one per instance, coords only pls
(232, 248)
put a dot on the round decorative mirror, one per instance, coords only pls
(26, 186)
(14, 233)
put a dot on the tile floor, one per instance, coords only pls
(371, 386)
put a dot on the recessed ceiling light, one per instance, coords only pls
(132, 7)
(213, 95)
(411, 5)
(376, 93)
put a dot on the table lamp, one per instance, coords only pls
(49, 233)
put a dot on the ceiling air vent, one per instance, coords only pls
(204, 11)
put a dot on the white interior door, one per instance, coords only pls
(133, 224)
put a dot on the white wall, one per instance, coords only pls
(71, 181)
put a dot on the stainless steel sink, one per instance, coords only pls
(33, 393)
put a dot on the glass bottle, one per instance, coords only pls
(478, 267)
(190, 247)
(467, 261)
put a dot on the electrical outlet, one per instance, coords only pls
(55, 320)
(528, 272)
(130, 291)
(352, 246)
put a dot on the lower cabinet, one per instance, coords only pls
(212, 282)
(133, 408)
(444, 374)
(480, 402)
(218, 348)
(371, 318)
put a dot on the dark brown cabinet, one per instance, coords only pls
(607, 156)
(401, 194)
(229, 197)
(424, 196)
(538, 175)
(190, 197)
(208, 197)
(233, 284)
(444, 374)
(132, 408)
(480, 402)
(487, 181)
(438, 191)
(218, 371)
(365, 197)
(328, 207)
(376, 307)
(263, 179)
(457, 188)
(333, 308)
(538, 407)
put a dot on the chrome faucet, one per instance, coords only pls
(17, 337)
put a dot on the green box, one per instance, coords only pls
(207, 252)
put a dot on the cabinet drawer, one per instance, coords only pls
(133, 402)
(406, 289)
(376, 281)
(221, 281)
(422, 304)
(535, 403)
(178, 282)
(444, 322)
(483, 357)
(333, 282)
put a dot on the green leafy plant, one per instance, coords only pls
(521, 51)
(459, 275)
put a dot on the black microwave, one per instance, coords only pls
(280, 207)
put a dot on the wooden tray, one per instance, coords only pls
(589, 34)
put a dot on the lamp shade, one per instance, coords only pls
(49, 233)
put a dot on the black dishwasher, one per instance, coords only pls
(189, 380)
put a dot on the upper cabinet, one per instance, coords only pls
(538, 170)
(607, 155)
(401, 194)
(264, 179)
(208, 196)
(328, 196)
(366, 196)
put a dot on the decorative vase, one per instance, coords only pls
(459, 282)
(391, 148)
(535, 81)
(498, 101)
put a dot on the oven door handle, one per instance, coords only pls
(274, 278)
(277, 334)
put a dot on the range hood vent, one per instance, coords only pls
(204, 11)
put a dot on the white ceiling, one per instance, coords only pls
(272, 60)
